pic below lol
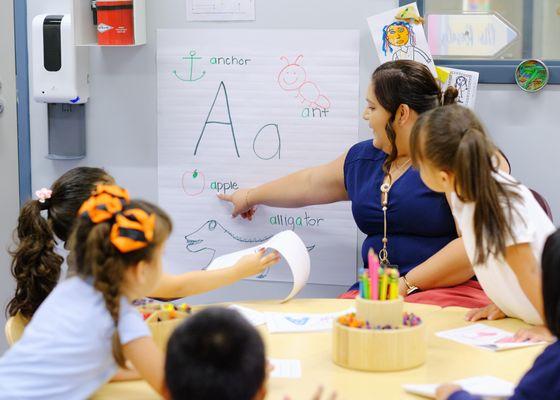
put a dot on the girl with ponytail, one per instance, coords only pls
(36, 266)
(87, 327)
(503, 227)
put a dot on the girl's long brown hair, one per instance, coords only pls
(95, 256)
(35, 264)
(411, 83)
(452, 139)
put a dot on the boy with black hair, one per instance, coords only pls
(216, 354)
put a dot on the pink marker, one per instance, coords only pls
(373, 264)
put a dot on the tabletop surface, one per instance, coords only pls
(446, 360)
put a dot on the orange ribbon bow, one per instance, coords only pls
(132, 229)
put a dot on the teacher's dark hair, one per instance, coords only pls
(411, 83)
(550, 282)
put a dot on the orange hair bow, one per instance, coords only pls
(133, 229)
(104, 203)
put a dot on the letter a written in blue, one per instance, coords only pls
(222, 117)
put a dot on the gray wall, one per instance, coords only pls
(121, 114)
(9, 204)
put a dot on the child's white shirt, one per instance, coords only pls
(529, 224)
(65, 351)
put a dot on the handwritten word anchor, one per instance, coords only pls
(192, 57)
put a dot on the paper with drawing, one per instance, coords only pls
(400, 39)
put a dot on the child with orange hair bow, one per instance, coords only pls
(87, 327)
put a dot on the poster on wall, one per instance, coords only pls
(238, 108)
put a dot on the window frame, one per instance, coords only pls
(499, 71)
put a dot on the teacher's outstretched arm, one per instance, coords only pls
(316, 185)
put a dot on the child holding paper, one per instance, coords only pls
(541, 382)
(503, 227)
(37, 267)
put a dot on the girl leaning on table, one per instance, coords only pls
(502, 225)
(542, 381)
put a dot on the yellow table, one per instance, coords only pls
(446, 360)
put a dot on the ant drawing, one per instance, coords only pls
(293, 77)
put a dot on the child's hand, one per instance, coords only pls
(534, 334)
(490, 312)
(443, 392)
(240, 203)
(255, 264)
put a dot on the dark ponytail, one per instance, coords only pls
(35, 265)
(452, 139)
(411, 83)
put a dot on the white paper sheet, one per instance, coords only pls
(400, 40)
(289, 245)
(301, 322)
(466, 83)
(285, 368)
(485, 337)
(220, 10)
(254, 317)
(238, 108)
(488, 386)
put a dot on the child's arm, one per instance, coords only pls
(521, 260)
(195, 282)
(126, 375)
(148, 360)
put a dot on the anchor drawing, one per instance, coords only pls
(191, 57)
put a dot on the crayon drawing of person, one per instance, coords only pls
(462, 88)
(399, 39)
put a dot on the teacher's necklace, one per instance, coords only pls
(385, 187)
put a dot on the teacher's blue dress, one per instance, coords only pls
(419, 221)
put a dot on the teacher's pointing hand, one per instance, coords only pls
(241, 203)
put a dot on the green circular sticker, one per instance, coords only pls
(531, 75)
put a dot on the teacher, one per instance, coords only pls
(411, 226)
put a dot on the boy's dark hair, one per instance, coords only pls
(550, 281)
(215, 354)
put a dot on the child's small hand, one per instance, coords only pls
(443, 392)
(490, 312)
(534, 334)
(255, 264)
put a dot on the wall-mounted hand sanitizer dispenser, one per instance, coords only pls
(60, 69)
(61, 79)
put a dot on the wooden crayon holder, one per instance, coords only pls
(162, 323)
(380, 312)
(379, 349)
